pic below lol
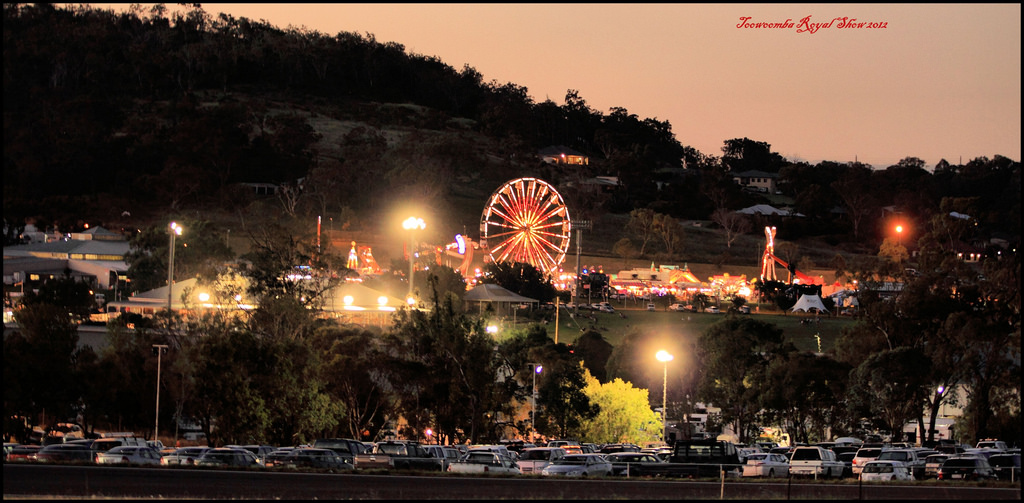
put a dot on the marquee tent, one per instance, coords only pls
(808, 302)
(494, 293)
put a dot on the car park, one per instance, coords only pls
(183, 456)
(1006, 466)
(579, 465)
(129, 455)
(766, 464)
(885, 470)
(966, 467)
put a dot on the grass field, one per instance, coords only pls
(691, 325)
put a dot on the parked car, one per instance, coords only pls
(129, 455)
(311, 457)
(345, 447)
(885, 470)
(183, 456)
(1006, 466)
(632, 463)
(712, 310)
(535, 459)
(815, 461)
(485, 461)
(680, 307)
(277, 457)
(933, 463)
(766, 464)
(846, 458)
(260, 451)
(989, 443)
(966, 468)
(22, 453)
(238, 458)
(579, 465)
(446, 453)
(908, 457)
(744, 309)
(650, 306)
(66, 453)
(864, 455)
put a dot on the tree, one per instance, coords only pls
(592, 348)
(352, 373)
(565, 404)
(625, 249)
(735, 355)
(733, 223)
(889, 387)
(625, 414)
(642, 225)
(669, 231)
(808, 395)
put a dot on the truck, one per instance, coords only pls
(398, 455)
(694, 458)
(347, 448)
(816, 461)
(482, 461)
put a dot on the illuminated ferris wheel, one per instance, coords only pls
(526, 221)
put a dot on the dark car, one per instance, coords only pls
(324, 459)
(966, 468)
(23, 453)
(238, 458)
(847, 459)
(66, 453)
(347, 448)
(1006, 466)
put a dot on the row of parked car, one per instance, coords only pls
(885, 462)
(866, 461)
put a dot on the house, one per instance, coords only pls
(759, 181)
(99, 262)
(560, 154)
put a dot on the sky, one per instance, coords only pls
(932, 81)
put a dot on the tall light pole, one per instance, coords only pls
(159, 349)
(175, 230)
(537, 368)
(411, 224)
(664, 357)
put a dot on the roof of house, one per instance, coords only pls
(558, 150)
(755, 174)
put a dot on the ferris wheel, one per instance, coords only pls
(526, 221)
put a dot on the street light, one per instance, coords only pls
(899, 235)
(537, 368)
(411, 224)
(664, 357)
(159, 349)
(175, 230)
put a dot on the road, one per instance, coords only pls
(34, 480)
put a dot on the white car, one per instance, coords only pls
(129, 454)
(766, 464)
(680, 307)
(712, 310)
(579, 465)
(885, 470)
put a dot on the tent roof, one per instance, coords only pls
(494, 293)
(808, 302)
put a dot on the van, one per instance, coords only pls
(650, 306)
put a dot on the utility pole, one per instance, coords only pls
(579, 227)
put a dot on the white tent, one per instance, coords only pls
(808, 302)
